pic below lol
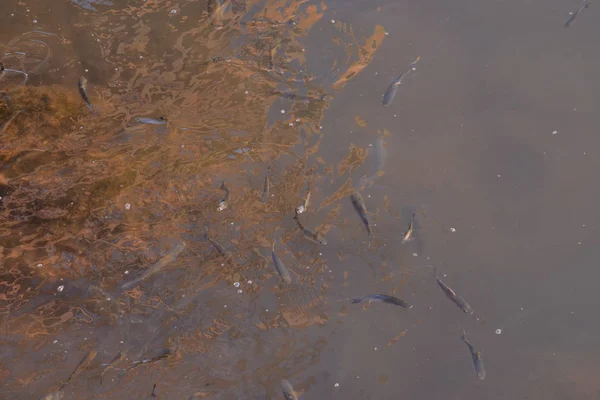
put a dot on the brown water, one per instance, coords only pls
(490, 142)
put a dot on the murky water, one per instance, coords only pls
(111, 285)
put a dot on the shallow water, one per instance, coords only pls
(490, 142)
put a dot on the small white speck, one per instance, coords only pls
(583, 225)
(127, 206)
(320, 254)
(246, 92)
(320, 127)
(336, 385)
(283, 111)
(303, 49)
(554, 132)
(498, 175)
(126, 272)
(452, 230)
(249, 282)
(415, 254)
(266, 309)
(375, 348)
(387, 33)
(55, 341)
(498, 331)
(578, 242)
(40, 265)
(236, 284)
(60, 288)
(232, 223)
(173, 11)
(291, 124)
(141, 57)
(222, 264)
(297, 119)
(333, 21)
(122, 342)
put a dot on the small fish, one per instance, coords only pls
(451, 294)
(266, 188)
(163, 354)
(408, 236)
(389, 95)
(225, 202)
(361, 209)
(87, 360)
(384, 298)
(215, 244)
(159, 265)
(6, 123)
(571, 19)
(82, 84)
(280, 266)
(310, 235)
(58, 395)
(476, 356)
(302, 207)
(116, 359)
(152, 121)
(288, 390)
(152, 395)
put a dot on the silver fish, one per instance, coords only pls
(288, 390)
(476, 356)
(152, 121)
(280, 266)
(389, 95)
(158, 266)
(384, 298)
(225, 202)
(302, 207)
(82, 85)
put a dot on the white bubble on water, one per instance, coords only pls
(127, 206)
(498, 331)
(236, 284)
(60, 288)
(452, 230)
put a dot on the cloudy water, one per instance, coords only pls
(141, 205)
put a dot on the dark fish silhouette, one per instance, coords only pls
(408, 236)
(310, 235)
(215, 244)
(476, 356)
(456, 299)
(280, 266)
(361, 209)
(389, 95)
(159, 265)
(384, 298)
(571, 19)
(82, 85)
(225, 202)
(267, 186)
